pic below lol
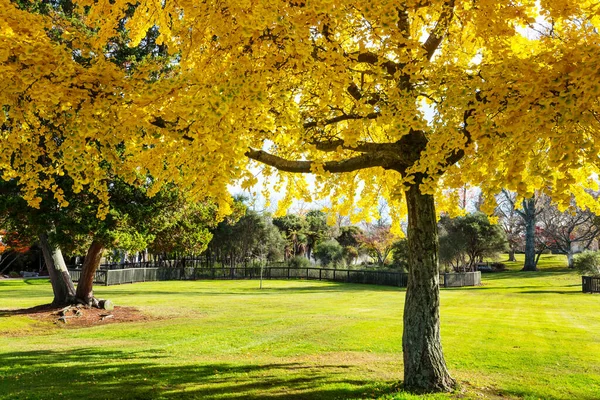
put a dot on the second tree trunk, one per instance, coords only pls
(91, 263)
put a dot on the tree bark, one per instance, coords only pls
(529, 211)
(62, 285)
(570, 257)
(424, 365)
(511, 255)
(91, 263)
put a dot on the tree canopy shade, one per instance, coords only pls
(400, 99)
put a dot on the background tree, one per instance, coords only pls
(563, 229)
(510, 221)
(316, 229)
(469, 239)
(293, 230)
(349, 239)
(186, 229)
(377, 240)
(329, 253)
(521, 220)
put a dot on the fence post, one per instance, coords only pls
(288, 273)
(334, 274)
(348, 276)
(320, 270)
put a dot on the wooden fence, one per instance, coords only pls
(129, 275)
(590, 284)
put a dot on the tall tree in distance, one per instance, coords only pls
(510, 221)
(521, 218)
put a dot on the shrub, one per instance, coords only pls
(588, 263)
(498, 266)
(14, 274)
(300, 262)
(329, 252)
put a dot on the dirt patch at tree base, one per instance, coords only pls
(80, 316)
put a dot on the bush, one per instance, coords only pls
(498, 266)
(588, 263)
(14, 274)
(329, 252)
(300, 262)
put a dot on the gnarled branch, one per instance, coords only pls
(367, 160)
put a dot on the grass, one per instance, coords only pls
(547, 262)
(520, 335)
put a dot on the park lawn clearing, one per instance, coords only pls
(520, 335)
(547, 262)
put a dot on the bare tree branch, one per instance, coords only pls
(368, 160)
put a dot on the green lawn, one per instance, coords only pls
(548, 262)
(520, 335)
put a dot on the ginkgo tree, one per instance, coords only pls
(400, 99)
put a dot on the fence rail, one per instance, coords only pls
(590, 284)
(130, 275)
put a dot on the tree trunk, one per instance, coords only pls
(570, 257)
(62, 285)
(511, 255)
(91, 263)
(424, 365)
(529, 210)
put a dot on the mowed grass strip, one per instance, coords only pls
(520, 335)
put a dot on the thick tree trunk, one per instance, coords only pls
(91, 263)
(62, 285)
(511, 255)
(529, 210)
(424, 365)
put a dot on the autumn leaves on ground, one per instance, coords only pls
(520, 335)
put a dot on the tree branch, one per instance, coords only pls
(441, 26)
(340, 118)
(368, 160)
(365, 147)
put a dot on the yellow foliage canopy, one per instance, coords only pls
(490, 93)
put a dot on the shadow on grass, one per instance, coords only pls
(99, 374)
(526, 274)
(250, 291)
(43, 308)
(579, 292)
